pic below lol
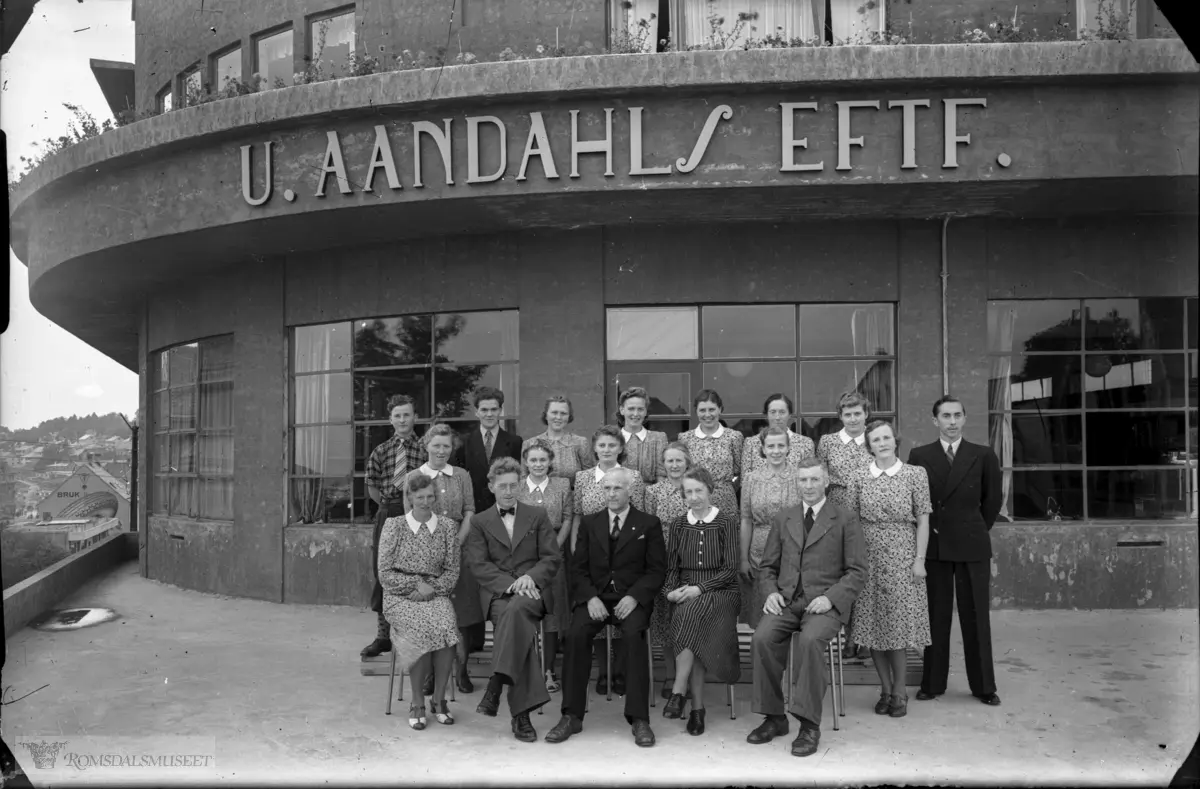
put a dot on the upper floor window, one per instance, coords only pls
(227, 69)
(729, 24)
(164, 99)
(192, 413)
(331, 42)
(1092, 406)
(192, 85)
(273, 59)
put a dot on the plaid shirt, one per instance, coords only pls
(395, 457)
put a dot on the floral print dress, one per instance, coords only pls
(721, 454)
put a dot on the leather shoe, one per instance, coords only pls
(898, 707)
(643, 735)
(376, 648)
(463, 681)
(923, 695)
(884, 704)
(618, 685)
(806, 742)
(522, 729)
(489, 705)
(602, 686)
(991, 699)
(767, 730)
(674, 706)
(695, 724)
(562, 731)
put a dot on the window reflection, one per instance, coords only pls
(1132, 324)
(743, 385)
(383, 342)
(1046, 495)
(332, 42)
(1033, 326)
(670, 393)
(767, 331)
(1039, 439)
(372, 390)
(1134, 438)
(274, 59)
(846, 330)
(1131, 380)
(821, 383)
(228, 69)
(1034, 382)
(1138, 493)
(455, 384)
(653, 333)
(477, 337)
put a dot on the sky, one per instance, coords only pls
(44, 370)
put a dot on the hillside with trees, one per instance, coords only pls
(71, 428)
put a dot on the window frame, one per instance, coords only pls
(214, 76)
(165, 97)
(195, 70)
(312, 20)
(257, 39)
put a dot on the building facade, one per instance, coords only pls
(1012, 223)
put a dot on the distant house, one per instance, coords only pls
(88, 492)
(63, 535)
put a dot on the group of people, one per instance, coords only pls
(676, 541)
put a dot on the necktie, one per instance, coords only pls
(616, 528)
(950, 453)
(512, 512)
(487, 444)
(401, 466)
(808, 520)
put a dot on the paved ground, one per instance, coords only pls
(1097, 697)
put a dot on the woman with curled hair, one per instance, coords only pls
(845, 452)
(643, 448)
(664, 500)
(571, 452)
(716, 448)
(419, 559)
(778, 410)
(455, 507)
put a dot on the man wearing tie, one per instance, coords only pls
(486, 444)
(813, 567)
(514, 554)
(619, 565)
(965, 486)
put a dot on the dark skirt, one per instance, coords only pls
(707, 626)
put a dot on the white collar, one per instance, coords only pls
(641, 436)
(719, 432)
(877, 472)
(623, 515)
(446, 470)
(860, 439)
(415, 525)
(600, 474)
(816, 508)
(709, 518)
(946, 445)
(540, 486)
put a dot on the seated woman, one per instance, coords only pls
(418, 568)
(702, 587)
(664, 500)
(773, 486)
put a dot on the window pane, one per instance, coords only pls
(1132, 324)
(332, 43)
(822, 383)
(1023, 382)
(364, 508)
(325, 347)
(1045, 495)
(275, 59)
(165, 101)
(321, 500)
(653, 333)
(814, 427)
(743, 385)
(670, 393)
(183, 364)
(453, 387)
(672, 427)
(159, 500)
(367, 437)
(1131, 380)
(216, 359)
(1036, 439)
(472, 337)
(216, 454)
(162, 453)
(193, 88)
(1193, 307)
(228, 69)
(215, 498)
(1193, 379)
(323, 451)
(183, 409)
(1021, 326)
(757, 331)
(160, 367)
(387, 342)
(183, 453)
(216, 406)
(322, 398)
(1138, 493)
(162, 412)
(373, 389)
(182, 494)
(846, 330)
(1134, 438)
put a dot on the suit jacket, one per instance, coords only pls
(832, 561)
(639, 561)
(966, 500)
(471, 457)
(497, 562)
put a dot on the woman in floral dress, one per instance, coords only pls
(778, 410)
(768, 489)
(845, 452)
(572, 453)
(716, 448)
(643, 448)
(418, 568)
(892, 612)
(664, 500)
(553, 494)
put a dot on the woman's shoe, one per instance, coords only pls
(695, 724)
(441, 713)
(552, 685)
(674, 706)
(884, 705)
(416, 716)
(463, 682)
(899, 706)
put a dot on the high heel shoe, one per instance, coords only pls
(884, 705)
(441, 713)
(674, 706)
(416, 716)
(695, 724)
(899, 706)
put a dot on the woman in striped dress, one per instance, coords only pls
(664, 500)
(702, 587)
(778, 410)
(716, 448)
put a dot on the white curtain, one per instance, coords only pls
(630, 20)
(848, 24)
(1003, 320)
(214, 487)
(785, 18)
(314, 351)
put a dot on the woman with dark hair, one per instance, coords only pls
(716, 448)
(702, 587)
(553, 494)
(664, 500)
(767, 490)
(572, 453)
(891, 614)
(845, 452)
(419, 559)
(643, 448)
(778, 410)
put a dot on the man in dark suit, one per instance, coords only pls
(485, 444)
(513, 551)
(813, 567)
(619, 565)
(965, 487)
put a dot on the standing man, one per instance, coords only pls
(965, 486)
(619, 565)
(390, 462)
(486, 444)
(513, 551)
(813, 567)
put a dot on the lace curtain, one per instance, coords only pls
(786, 18)
(1003, 322)
(314, 351)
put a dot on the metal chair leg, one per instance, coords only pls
(650, 656)
(841, 674)
(392, 683)
(453, 673)
(732, 708)
(787, 680)
(833, 694)
(541, 648)
(608, 658)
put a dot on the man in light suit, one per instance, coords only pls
(514, 554)
(619, 565)
(485, 444)
(965, 488)
(813, 567)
